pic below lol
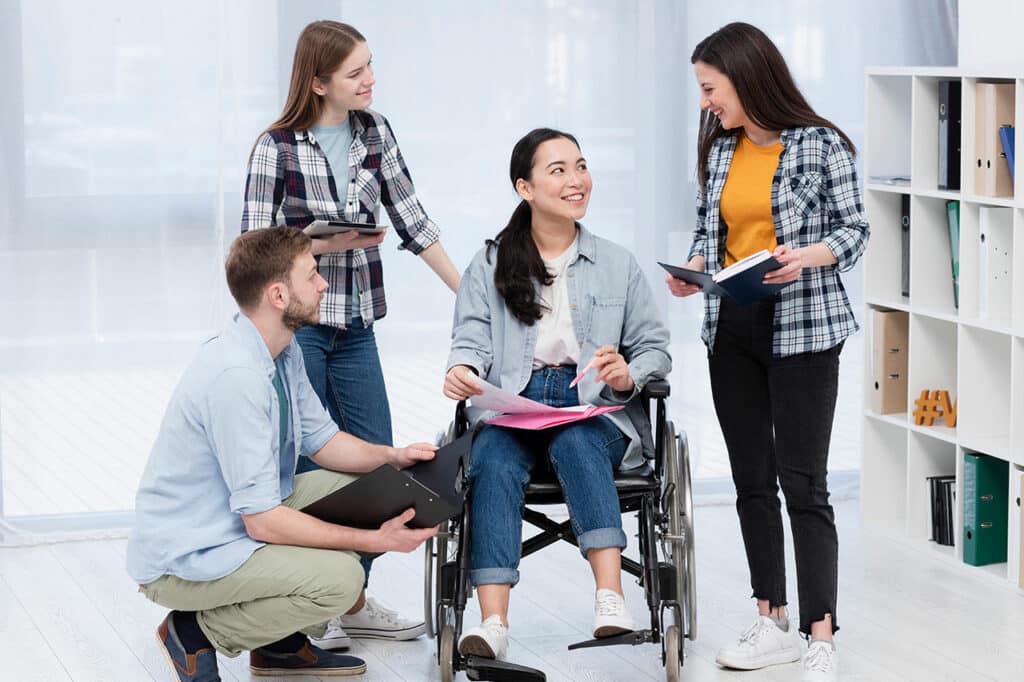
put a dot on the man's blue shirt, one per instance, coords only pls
(218, 456)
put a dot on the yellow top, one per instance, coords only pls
(746, 203)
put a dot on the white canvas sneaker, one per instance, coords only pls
(335, 637)
(489, 640)
(377, 621)
(610, 614)
(762, 644)
(820, 664)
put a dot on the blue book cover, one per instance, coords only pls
(742, 281)
(1006, 136)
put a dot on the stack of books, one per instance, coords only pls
(943, 499)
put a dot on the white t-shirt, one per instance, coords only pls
(556, 338)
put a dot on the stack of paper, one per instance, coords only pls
(518, 412)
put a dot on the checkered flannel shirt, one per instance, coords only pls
(290, 183)
(815, 198)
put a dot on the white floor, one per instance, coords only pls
(69, 612)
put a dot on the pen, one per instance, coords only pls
(590, 365)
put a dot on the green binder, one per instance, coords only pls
(986, 482)
(953, 219)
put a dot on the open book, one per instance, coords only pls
(743, 280)
(518, 412)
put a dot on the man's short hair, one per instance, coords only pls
(258, 258)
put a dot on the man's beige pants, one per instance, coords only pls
(279, 590)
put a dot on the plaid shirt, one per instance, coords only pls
(815, 198)
(290, 183)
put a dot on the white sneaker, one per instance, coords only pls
(376, 621)
(610, 614)
(762, 644)
(334, 638)
(820, 664)
(489, 640)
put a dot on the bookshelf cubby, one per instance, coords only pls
(975, 350)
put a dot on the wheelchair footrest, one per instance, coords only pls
(634, 638)
(479, 668)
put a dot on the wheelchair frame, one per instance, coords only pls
(664, 508)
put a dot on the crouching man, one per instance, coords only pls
(219, 537)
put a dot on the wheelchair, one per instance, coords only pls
(659, 493)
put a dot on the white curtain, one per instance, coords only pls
(124, 132)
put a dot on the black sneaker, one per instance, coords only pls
(309, 660)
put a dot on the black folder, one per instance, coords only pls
(949, 135)
(431, 487)
(905, 245)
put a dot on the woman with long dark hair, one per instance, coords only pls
(542, 298)
(330, 157)
(775, 175)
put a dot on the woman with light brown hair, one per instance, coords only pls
(330, 157)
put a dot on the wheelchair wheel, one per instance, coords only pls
(446, 653)
(678, 546)
(672, 660)
(690, 548)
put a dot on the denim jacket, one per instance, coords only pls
(611, 303)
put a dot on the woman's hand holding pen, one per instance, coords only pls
(460, 383)
(792, 265)
(680, 288)
(346, 241)
(611, 369)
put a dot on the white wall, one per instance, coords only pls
(990, 36)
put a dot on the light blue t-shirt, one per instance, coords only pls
(335, 141)
(218, 456)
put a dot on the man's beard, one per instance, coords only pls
(296, 315)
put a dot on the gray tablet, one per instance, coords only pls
(327, 228)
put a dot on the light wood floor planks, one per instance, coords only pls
(68, 612)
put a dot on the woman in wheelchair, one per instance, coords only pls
(540, 299)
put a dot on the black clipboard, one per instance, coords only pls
(432, 488)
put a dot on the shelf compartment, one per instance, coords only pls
(931, 268)
(888, 118)
(882, 281)
(933, 364)
(885, 465)
(1017, 403)
(984, 391)
(926, 457)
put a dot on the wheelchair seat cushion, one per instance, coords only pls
(543, 487)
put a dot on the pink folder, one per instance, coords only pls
(534, 421)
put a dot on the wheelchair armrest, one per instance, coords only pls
(656, 388)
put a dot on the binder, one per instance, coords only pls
(1006, 138)
(889, 335)
(942, 508)
(949, 134)
(985, 509)
(431, 487)
(905, 246)
(995, 262)
(994, 107)
(953, 220)
(1020, 547)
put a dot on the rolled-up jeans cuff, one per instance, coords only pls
(494, 576)
(599, 538)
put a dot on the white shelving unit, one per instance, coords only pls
(977, 358)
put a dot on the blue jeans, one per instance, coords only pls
(344, 368)
(583, 456)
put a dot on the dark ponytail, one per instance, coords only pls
(519, 265)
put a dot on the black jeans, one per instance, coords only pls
(776, 416)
